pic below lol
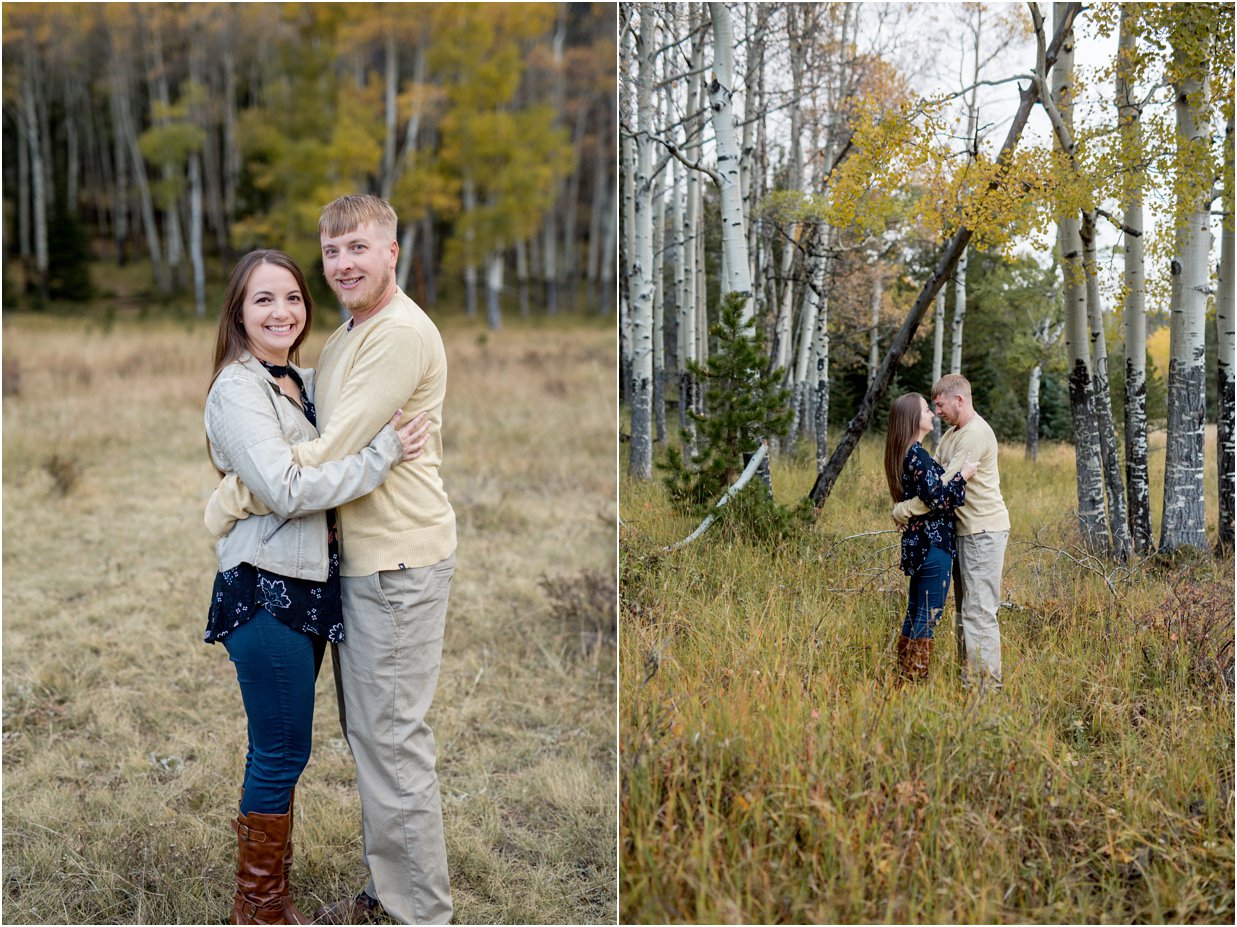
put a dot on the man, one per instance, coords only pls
(982, 529)
(398, 559)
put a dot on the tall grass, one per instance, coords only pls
(124, 734)
(772, 773)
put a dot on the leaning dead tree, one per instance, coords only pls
(944, 268)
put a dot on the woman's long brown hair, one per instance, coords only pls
(232, 342)
(903, 431)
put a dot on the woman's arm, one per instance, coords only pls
(232, 501)
(941, 497)
(246, 436)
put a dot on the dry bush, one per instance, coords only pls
(64, 471)
(1195, 624)
(583, 604)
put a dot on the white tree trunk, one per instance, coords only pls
(641, 463)
(938, 354)
(195, 235)
(1225, 347)
(1090, 471)
(1113, 485)
(30, 122)
(721, 96)
(521, 277)
(493, 289)
(659, 309)
(1032, 435)
(955, 337)
(1137, 481)
(874, 319)
(390, 95)
(821, 352)
(470, 266)
(1182, 521)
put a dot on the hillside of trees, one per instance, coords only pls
(186, 134)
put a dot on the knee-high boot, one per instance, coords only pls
(919, 657)
(261, 882)
(902, 670)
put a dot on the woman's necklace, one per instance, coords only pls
(274, 369)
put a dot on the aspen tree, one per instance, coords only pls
(1182, 522)
(641, 267)
(1134, 315)
(1225, 284)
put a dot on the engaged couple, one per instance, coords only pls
(955, 524)
(333, 527)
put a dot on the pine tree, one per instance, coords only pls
(742, 404)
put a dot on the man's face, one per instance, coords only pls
(948, 407)
(359, 267)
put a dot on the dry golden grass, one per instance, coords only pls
(770, 772)
(124, 734)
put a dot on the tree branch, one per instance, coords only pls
(744, 478)
(1118, 223)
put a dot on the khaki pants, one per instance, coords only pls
(977, 591)
(386, 673)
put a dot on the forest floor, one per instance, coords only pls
(124, 735)
(770, 772)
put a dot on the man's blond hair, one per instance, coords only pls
(348, 213)
(952, 384)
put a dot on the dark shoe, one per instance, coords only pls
(261, 888)
(919, 657)
(360, 910)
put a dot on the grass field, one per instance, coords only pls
(124, 734)
(771, 773)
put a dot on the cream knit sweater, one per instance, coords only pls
(393, 360)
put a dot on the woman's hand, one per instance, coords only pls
(969, 467)
(413, 434)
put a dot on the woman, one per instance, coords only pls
(276, 600)
(928, 541)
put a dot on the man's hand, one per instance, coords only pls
(229, 503)
(902, 513)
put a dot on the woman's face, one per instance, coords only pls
(273, 312)
(925, 418)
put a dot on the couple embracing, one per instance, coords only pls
(955, 525)
(333, 527)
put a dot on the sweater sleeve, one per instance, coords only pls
(383, 376)
(245, 433)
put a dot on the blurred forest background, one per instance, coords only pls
(179, 136)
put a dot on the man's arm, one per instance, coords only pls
(904, 511)
(229, 503)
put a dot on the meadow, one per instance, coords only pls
(124, 734)
(771, 772)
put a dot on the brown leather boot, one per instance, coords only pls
(291, 913)
(919, 656)
(901, 670)
(261, 887)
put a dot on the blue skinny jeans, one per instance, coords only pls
(276, 668)
(929, 588)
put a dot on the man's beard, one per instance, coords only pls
(363, 297)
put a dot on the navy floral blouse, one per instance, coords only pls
(302, 604)
(921, 476)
